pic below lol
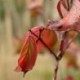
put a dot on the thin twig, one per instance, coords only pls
(62, 53)
(45, 45)
(57, 65)
(56, 71)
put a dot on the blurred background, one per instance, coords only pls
(16, 17)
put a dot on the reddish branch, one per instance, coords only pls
(69, 21)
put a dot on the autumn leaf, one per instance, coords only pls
(48, 36)
(28, 55)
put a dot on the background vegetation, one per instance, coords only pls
(16, 17)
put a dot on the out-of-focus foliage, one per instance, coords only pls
(2, 11)
(78, 39)
(20, 5)
(16, 17)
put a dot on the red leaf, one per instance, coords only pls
(48, 36)
(28, 55)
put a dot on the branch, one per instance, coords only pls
(39, 38)
(65, 45)
(56, 71)
(63, 48)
